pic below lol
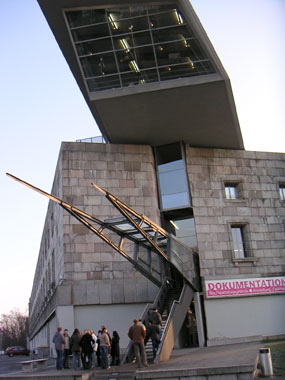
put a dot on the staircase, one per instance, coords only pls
(172, 304)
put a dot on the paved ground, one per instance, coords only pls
(204, 357)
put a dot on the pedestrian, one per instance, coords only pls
(98, 349)
(137, 334)
(156, 317)
(104, 348)
(154, 332)
(115, 348)
(75, 348)
(95, 347)
(66, 350)
(87, 349)
(58, 341)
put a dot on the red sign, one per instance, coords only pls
(245, 287)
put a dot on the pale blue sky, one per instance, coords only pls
(41, 105)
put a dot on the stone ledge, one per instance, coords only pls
(227, 373)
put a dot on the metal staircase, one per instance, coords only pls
(159, 256)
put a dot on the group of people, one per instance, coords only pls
(87, 349)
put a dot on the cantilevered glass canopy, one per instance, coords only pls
(128, 46)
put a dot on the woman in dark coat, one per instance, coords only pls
(75, 348)
(87, 349)
(115, 348)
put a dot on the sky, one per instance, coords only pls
(41, 106)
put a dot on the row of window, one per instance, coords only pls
(175, 200)
(232, 190)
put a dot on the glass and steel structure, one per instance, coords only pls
(134, 45)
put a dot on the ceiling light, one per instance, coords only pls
(133, 65)
(178, 16)
(125, 45)
(112, 22)
(174, 225)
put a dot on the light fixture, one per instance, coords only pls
(185, 42)
(178, 16)
(113, 22)
(133, 65)
(174, 225)
(191, 63)
(125, 45)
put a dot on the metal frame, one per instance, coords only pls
(140, 230)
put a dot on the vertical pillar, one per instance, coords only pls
(199, 319)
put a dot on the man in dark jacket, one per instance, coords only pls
(137, 334)
(87, 349)
(154, 332)
(58, 341)
(156, 317)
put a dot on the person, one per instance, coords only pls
(66, 350)
(137, 334)
(75, 348)
(115, 348)
(58, 341)
(156, 317)
(104, 347)
(87, 349)
(94, 346)
(154, 332)
(98, 349)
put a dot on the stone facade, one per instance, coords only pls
(79, 276)
(259, 208)
(75, 266)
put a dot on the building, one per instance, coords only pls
(174, 153)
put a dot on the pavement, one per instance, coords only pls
(235, 356)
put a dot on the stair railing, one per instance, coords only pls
(173, 324)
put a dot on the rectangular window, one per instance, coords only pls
(282, 192)
(231, 190)
(172, 178)
(238, 242)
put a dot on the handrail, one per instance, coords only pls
(173, 324)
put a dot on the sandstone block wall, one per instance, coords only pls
(259, 207)
(102, 275)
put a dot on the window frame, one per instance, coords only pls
(281, 188)
(183, 168)
(241, 228)
(232, 184)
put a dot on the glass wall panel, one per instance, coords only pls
(104, 83)
(98, 65)
(94, 46)
(85, 17)
(185, 231)
(142, 37)
(90, 32)
(174, 200)
(173, 184)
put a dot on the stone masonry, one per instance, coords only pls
(259, 208)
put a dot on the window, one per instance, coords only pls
(133, 45)
(172, 179)
(282, 192)
(238, 242)
(231, 190)
(184, 230)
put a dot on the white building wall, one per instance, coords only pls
(244, 319)
(115, 317)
